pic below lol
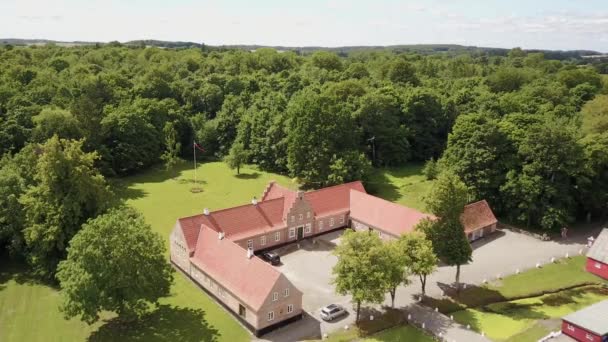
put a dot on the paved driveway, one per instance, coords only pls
(309, 268)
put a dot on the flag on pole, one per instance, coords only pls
(197, 146)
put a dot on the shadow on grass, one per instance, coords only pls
(167, 323)
(517, 311)
(473, 295)
(21, 273)
(468, 319)
(253, 175)
(379, 185)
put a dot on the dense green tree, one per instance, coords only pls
(53, 121)
(132, 142)
(237, 157)
(358, 272)
(318, 129)
(428, 123)
(172, 146)
(401, 71)
(430, 169)
(541, 190)
(115, 263)
(384, 128)
(395, 267)
(478, 153)
(68, 190)
(326, 60)
(418, 252)
(446, 201)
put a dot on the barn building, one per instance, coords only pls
(589, 324)
(597, 257)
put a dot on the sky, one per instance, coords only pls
(530, 24)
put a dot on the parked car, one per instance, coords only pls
(271, 258)
(332, 311)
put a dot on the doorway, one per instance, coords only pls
(300, 232)
(242, 311)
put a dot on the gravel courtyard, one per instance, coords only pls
(309, 268)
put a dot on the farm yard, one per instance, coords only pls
(29, 310)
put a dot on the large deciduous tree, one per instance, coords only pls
(418, 253)
(115, 263)
(68, 190)
(237, 157)
(358, 271)
(446, 201)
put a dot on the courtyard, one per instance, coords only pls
(309, 267)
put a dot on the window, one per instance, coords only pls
(221, 292)
(249, 243)
(277, 236)
(292, 233)
(275, 296)
(213, 285)
(308, 229)
(570, 327)
(290, 308)
(300, 217)
(308, 214)
(320, 224)
(263, 240)
(293, 218)
(598, 265)
(589, 337)
(286, 292)
(380, 234)
(271, 316)
(242, 311)
(341, 219)
(331, 222)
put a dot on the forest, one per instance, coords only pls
(525, 132)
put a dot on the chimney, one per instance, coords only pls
(220, 235)
(249, 253)
(206, 212)
(254, 201)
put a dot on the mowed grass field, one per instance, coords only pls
(29, 310)
(404, 185)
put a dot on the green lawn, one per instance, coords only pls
(502, 321)
(564, 273)
(404, 185)
(401, 333)
(396, 334)
(28, 310)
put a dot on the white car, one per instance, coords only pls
(332, 311)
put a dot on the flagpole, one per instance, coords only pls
(194, 150)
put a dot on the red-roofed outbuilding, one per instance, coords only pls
(478, 220)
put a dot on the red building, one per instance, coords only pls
(597, 258)
(589, 324)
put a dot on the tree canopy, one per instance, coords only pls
(115, 263)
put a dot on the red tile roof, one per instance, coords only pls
(333, 199)
(390, 217)
(477, 215)
(249, 279)
(269, 214)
